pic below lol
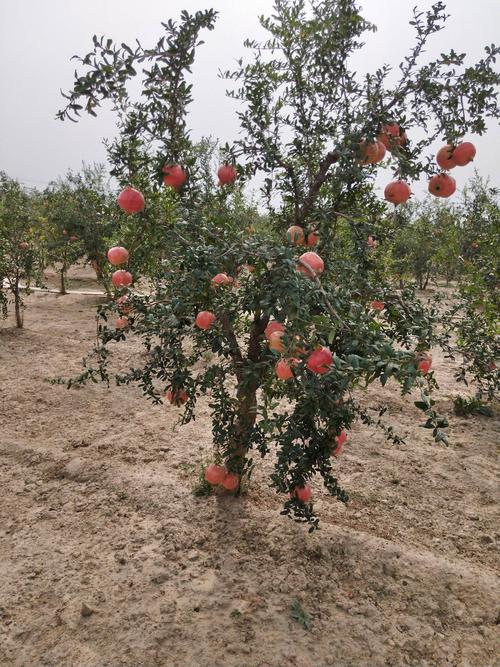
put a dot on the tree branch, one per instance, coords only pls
(319, 179)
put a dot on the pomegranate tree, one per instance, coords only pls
(318, 132)
(21, 259)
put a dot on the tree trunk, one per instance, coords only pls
(18, 307)
(245, 421)
(427, 278)
(246, 392)
(100, 275)
(63, 282)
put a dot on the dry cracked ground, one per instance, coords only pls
(107, 559)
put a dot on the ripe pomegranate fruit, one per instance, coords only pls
(442, 185)
(215, 474)
(121, 278)
(272, 327)
(444, 157)
(117, 255)
(205, 319)
(303, 493)
(221, 279)
(227, 174)
(397, 192)
(312, 239)
(231, 481)
(392, 136)
(319, 360)
(377, 305)
(121, 323)
(371, 242)
(175, 176)
(424, 363)
(284, 368)
(313, 264)
(130, 200)
(275, 342)
(123, 305)
(339, 443)
(295, 235)
(177, 398)
(369, 152)
(464, 153)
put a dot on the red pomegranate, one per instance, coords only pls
(464, 153)
(319, 360)
(444, 157)
(177, 398)
(295, 235)
(397, 192)
(221, 279)
(312, 239)
(175, 176)
(123, 304)
(205, 319)
(272, 327)
(283, 368)
(442, 185)
(131, 200)
(392, 136)
(303, 493)
(339, 443)
(215, 474)
(121, 278)
(117, 255)
(231, 481)
(310, 264)
(227, 174)
(121, 323)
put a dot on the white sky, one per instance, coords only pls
(38, 37)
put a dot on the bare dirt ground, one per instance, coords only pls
(108, 560)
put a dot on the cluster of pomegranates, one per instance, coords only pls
(440, 185)
(120, 279)
(218, 475)
(448, 157)
(132, 201)
(309, 263)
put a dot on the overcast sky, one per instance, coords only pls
(38, 38)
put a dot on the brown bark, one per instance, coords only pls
(97, 266)
(246, 396)
(18, 307)
(63, 282)
(320, 178)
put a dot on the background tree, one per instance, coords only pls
(20, 256)
(314, 127)
(472, 330)
(80, 218)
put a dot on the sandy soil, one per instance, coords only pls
(108, 560)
